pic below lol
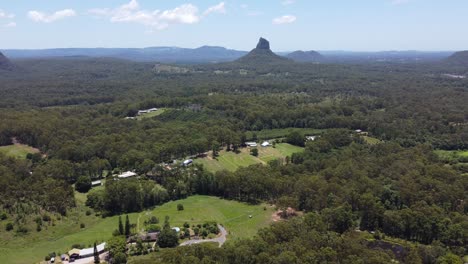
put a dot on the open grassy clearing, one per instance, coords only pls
(31, 248)
(18, 150)
(371, 140)
(451, 155)
(281, 132)
(152, 114)
(231, 161)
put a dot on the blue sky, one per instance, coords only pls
(358, 25)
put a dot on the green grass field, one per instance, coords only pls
(33, 247)
(152, 114)
(451, 155)
(281, 132)
(231, 161)
(371, 140)
(18, 150)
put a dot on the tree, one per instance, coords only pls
(254, 152)
(83, 184)
(121, 229)
(96, 254)
(168, 237)
(119, 258)
(127, 226)
(295, 138)
(180, 207)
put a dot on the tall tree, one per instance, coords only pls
(127, 226)
(121, 229)
(96, 255)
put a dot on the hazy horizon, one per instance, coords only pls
(359, 26)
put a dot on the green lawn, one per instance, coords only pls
(33, 247)
(281, 132)
(371, 140)
(152, 114)
(231, 161)
(450, 155)
(18, 150)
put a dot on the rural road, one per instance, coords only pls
(220, 240)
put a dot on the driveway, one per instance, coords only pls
(89, 260)
(220, 239)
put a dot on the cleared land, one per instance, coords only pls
(449, 155)
(231, 161)
(33, 247)
(152, 114)
(18, 150)
(281, 132)
(371, 140)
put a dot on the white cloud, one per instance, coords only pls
(219, 8)
(10, 25)
(288, 2)
(37, 16)
(244, 6)
(287, 19)
(3, 14)
(154, 19)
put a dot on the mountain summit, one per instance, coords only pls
(262, 54)
(5, 63)
(263, 44)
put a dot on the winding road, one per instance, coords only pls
(220, 239)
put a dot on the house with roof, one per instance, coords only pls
(86, 252)
(127, 174)
(265, 144)
(251, 144)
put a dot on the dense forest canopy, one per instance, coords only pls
(73, 110)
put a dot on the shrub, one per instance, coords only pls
(153, 228)
(154, 220)
(46, 218)
(88, 212)
(47, 258)
(22, 230)
(9, 227)
(38, 228)
(82, 225)
(254, 152)
(186, 225)
(83, 184)
(180, 207)
(3, 216)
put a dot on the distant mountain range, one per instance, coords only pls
(205, 54)
(213, 54)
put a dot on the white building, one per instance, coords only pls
(127, 174)
(251, 144)
(266, 144)
(311, 138)
(187, 162)
(89, 252)
(96, 183)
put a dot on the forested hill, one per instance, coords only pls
(459, 58)
(306, 56)
(5, 63)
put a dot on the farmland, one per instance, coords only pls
(66, 232)
(231, 161)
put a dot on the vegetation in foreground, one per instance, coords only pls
(62, 232)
